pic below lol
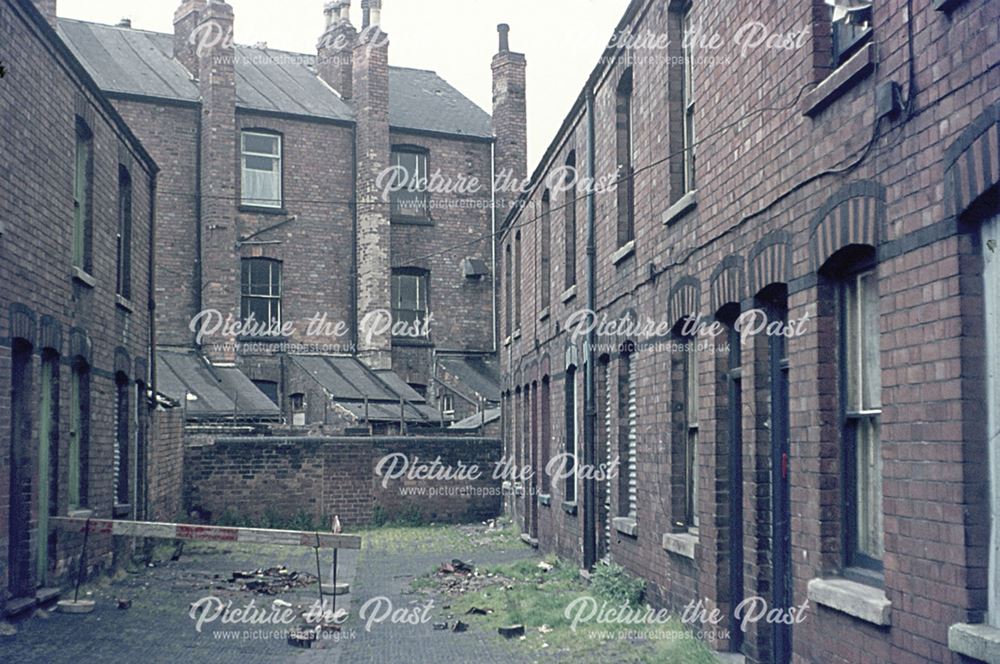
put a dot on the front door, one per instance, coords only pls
(780, 507)
(19, 538)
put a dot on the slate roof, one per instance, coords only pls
(475, 373)
(138, 62)
(219, 391)
(476, 421)
(348, 382)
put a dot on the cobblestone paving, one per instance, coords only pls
(158, 628)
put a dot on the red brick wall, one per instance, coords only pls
(320, 477)
(166, 466)
(37, 209)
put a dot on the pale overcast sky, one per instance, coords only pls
(562, 40)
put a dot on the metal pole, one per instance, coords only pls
(590, 400)
(335, 582)
(83, 558)
(319, 573)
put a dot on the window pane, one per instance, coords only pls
(260, 143)
(691, 373)
(869, 488)
(260, 278)
(872, 377)
(852, 344)
(267, 164)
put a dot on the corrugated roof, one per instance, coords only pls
(137, 62)
(348, 382)
(473, 422)
(218, 391)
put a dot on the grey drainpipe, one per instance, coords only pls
(354, 244)
(197, 216)
(493, 244)
(590, 397)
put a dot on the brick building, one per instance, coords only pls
(273, 202)
(76, 330)
(829, 173)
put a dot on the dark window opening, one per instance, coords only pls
(409, 196)
(261, 292)
(124, 244)
(625, 151)
(410, 301)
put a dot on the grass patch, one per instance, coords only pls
(523, 593)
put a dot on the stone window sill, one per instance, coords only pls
(946, 5)
(516, 335)
(976, 641)
(82, 276)
(506, 341)
(623, 252)
(412, 221)
(80, 513)
(856, 68)
(545, 499)
(684, 204)
(568, 294)
(124, 303)
(855, 599)
(569, 507)
(121, 510)
(626, 525)
(544, 315)
(681, 544)
(263, 209)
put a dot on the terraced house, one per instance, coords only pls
(76, 249)
(795, 207)
(272, 205)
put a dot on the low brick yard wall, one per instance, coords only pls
(362, 480)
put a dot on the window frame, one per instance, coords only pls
(246, 268)
(688, 104)
(77, 488)
(572, 408)
(423, 281)
(856, 414)
(570, 219)
(691, 433)
(83, 197)
(422, 212)
(123, 284)
(545, 250)
(122, 441)
(847, 39)
(625, 157)
(279, 157)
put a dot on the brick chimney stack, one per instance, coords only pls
(48, 10)
(371, 104)
(335, 51)
(186, 20)
(510, 122)
(217, 82)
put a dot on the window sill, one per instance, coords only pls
(545, 499)
(569, 507)
(568, 294)
(506, 341)
(626, 525)
(261, 209)
(684, 204)
(680, 544)
(855, 599)
(121, 510)
(976, 641)
(857, 67)
(411, 221)
(80, 513)
(544, 315)
(84, 277)
(623, 252)
(264, 339)
(946, 5)
(516, 335)
(412, 342)
(124, 303)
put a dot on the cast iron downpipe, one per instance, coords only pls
(590, 396)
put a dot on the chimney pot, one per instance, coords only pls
(125, 23)
(504, 31)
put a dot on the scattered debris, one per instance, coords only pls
(440, 626)
(462, 567)
(6, 629)
(544, 629)
(124, 603)
(271, 581)
(511, 631)
(281, 603)
(544, 566)
(476, 611)
(43, 614)
(301, 637)
(459, 626)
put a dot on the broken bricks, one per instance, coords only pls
(511, 631)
